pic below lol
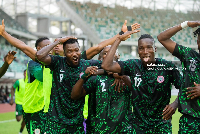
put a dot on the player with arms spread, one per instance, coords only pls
(151, 85)
(189, 95)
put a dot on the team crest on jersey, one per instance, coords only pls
(160, 79)
(37, 131)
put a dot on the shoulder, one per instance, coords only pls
(33, 63)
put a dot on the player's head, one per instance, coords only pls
(197, 33)
(58, 50)
(146, 49)
(72, 52)
(42, 42)
(104, 52)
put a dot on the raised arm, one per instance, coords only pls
(92, 51)
(43, 54)
(164, 37)
(108, 63)
(78, 91)
(8, 60)
(29, 51)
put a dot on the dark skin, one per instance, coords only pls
(164, 37)
(8, 60)
(146, 52)
(194, 92)
(120, 81)
(92, 51)
(58, 49)
(78, 91)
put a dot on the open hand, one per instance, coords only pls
(194, 91)
(10, 57)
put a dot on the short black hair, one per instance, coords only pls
(70, 41)
(143, 36)
(25, 70)
(40, 40)
(197, 32)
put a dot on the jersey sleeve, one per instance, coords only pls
(54, 62)
(181, 52)
(90, 85)
(35, 70)
(83, 55)
(125, 67)
(16, 84)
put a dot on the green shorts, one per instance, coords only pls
(189, 125)
(19, 110)
(58, 128)
(35, 122)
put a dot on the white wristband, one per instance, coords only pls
(184, 24)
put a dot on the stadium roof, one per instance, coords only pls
(49, 7)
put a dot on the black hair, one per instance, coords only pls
(70, 41)
(40, 40)
(143, 36)
(197, 32)
(25, 70)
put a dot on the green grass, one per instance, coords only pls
(175, 118)
(14, 126)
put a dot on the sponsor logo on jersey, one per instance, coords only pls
(160, 79)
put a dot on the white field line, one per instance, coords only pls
(8, 121)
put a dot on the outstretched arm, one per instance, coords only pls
(164, 37)
(29, 51)
(43, 54)
(108, 63)
(8, 60)
(78, 91)
(92, 51)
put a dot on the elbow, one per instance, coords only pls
(39, 56)
(160, 38)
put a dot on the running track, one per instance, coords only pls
(6, 107)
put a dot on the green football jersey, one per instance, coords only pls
(190, 60)
(151, 89)
(108, 110)
(62, 108)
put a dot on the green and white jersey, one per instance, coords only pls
(62, 108)
(108, 111)
(151, 89)
(190, 60)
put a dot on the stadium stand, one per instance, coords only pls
(19, 64)
(11, 23)
(107, 21)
